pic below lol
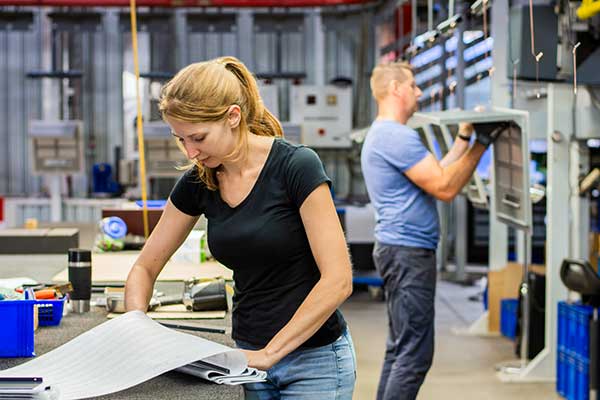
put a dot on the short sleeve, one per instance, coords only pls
(187, 194)
(403, 149)
(305, 172)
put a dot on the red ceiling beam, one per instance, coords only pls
(181, 3)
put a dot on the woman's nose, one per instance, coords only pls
(191, 151)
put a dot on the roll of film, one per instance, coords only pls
(80, 276)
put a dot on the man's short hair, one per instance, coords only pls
(384, 73)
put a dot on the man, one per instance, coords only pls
(403, 181)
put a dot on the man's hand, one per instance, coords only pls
(488, 133)
(259, 359)
(465, 130)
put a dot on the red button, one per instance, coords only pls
(322, 132)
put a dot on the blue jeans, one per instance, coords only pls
(319, 373)
(409, 277)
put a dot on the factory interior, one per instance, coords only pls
(89, 167)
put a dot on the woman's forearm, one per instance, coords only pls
(322, 301)
(138, 289)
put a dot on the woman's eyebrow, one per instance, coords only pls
(191, 135)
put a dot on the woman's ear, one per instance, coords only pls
(235, 116)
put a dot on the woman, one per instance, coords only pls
(271, 219)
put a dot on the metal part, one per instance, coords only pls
(556, 137)
(183, 3)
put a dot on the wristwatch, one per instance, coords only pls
(464, 137)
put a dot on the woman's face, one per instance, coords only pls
(207, 142)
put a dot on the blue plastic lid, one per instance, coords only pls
(114, 227)
(152, 203)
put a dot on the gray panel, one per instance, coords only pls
(264, 59)
(33, 105)
(206, 46)
(545, 22)
(292, 52)
(114, 82)
(98, 99)
(4, 101)
(15, 117)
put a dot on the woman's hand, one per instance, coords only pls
(259, 359)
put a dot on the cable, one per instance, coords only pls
(537, 56)
(140, 127)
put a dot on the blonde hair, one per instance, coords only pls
(384, 73)
(204, 92)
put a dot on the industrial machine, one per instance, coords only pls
(438, 130)
(162, 153)
(57, 150)
(325, 114)
(56, 146)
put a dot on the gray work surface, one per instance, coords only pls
(171, 385)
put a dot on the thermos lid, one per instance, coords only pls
(114, 227)
(80, 255)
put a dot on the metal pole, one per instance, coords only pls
(525, 303)
(413, 10)
(429, 15)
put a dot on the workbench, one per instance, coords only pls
(171, 385)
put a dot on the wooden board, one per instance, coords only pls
(114, 267)
(178, 311)
(505, 284)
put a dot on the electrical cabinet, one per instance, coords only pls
(162, 153)
(325, 114)
(56, 146)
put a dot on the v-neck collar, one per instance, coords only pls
(256, 183)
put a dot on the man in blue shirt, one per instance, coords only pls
(404, 180)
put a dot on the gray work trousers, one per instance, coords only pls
(409, 277)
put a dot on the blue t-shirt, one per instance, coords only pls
(406, 215)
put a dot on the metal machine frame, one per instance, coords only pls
(475, 190)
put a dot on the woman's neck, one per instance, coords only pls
(256, 154)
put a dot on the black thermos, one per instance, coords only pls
(80, 276)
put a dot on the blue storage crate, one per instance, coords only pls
(562, 326)
(571, 379)
(16, 334)
(584, 315)
(561, 373)
(582, 374)
(508, 317)
(50, 311)
(572, 372)
(572, 330)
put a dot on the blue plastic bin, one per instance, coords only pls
(50, 311)
(152, 203)
(562, 326)
(571, 379)
(16, 332)
(508, 317)
(561, 373)
(584, 315)
(582, 375)
(573, 338)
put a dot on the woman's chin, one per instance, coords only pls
(209, 163)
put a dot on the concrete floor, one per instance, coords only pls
(463, 366)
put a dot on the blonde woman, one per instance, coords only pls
(271, 219)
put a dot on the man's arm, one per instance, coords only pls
(460, 145)
(445, 182)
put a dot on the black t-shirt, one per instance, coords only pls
(264, 242)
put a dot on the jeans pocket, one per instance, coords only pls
(346, 367)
